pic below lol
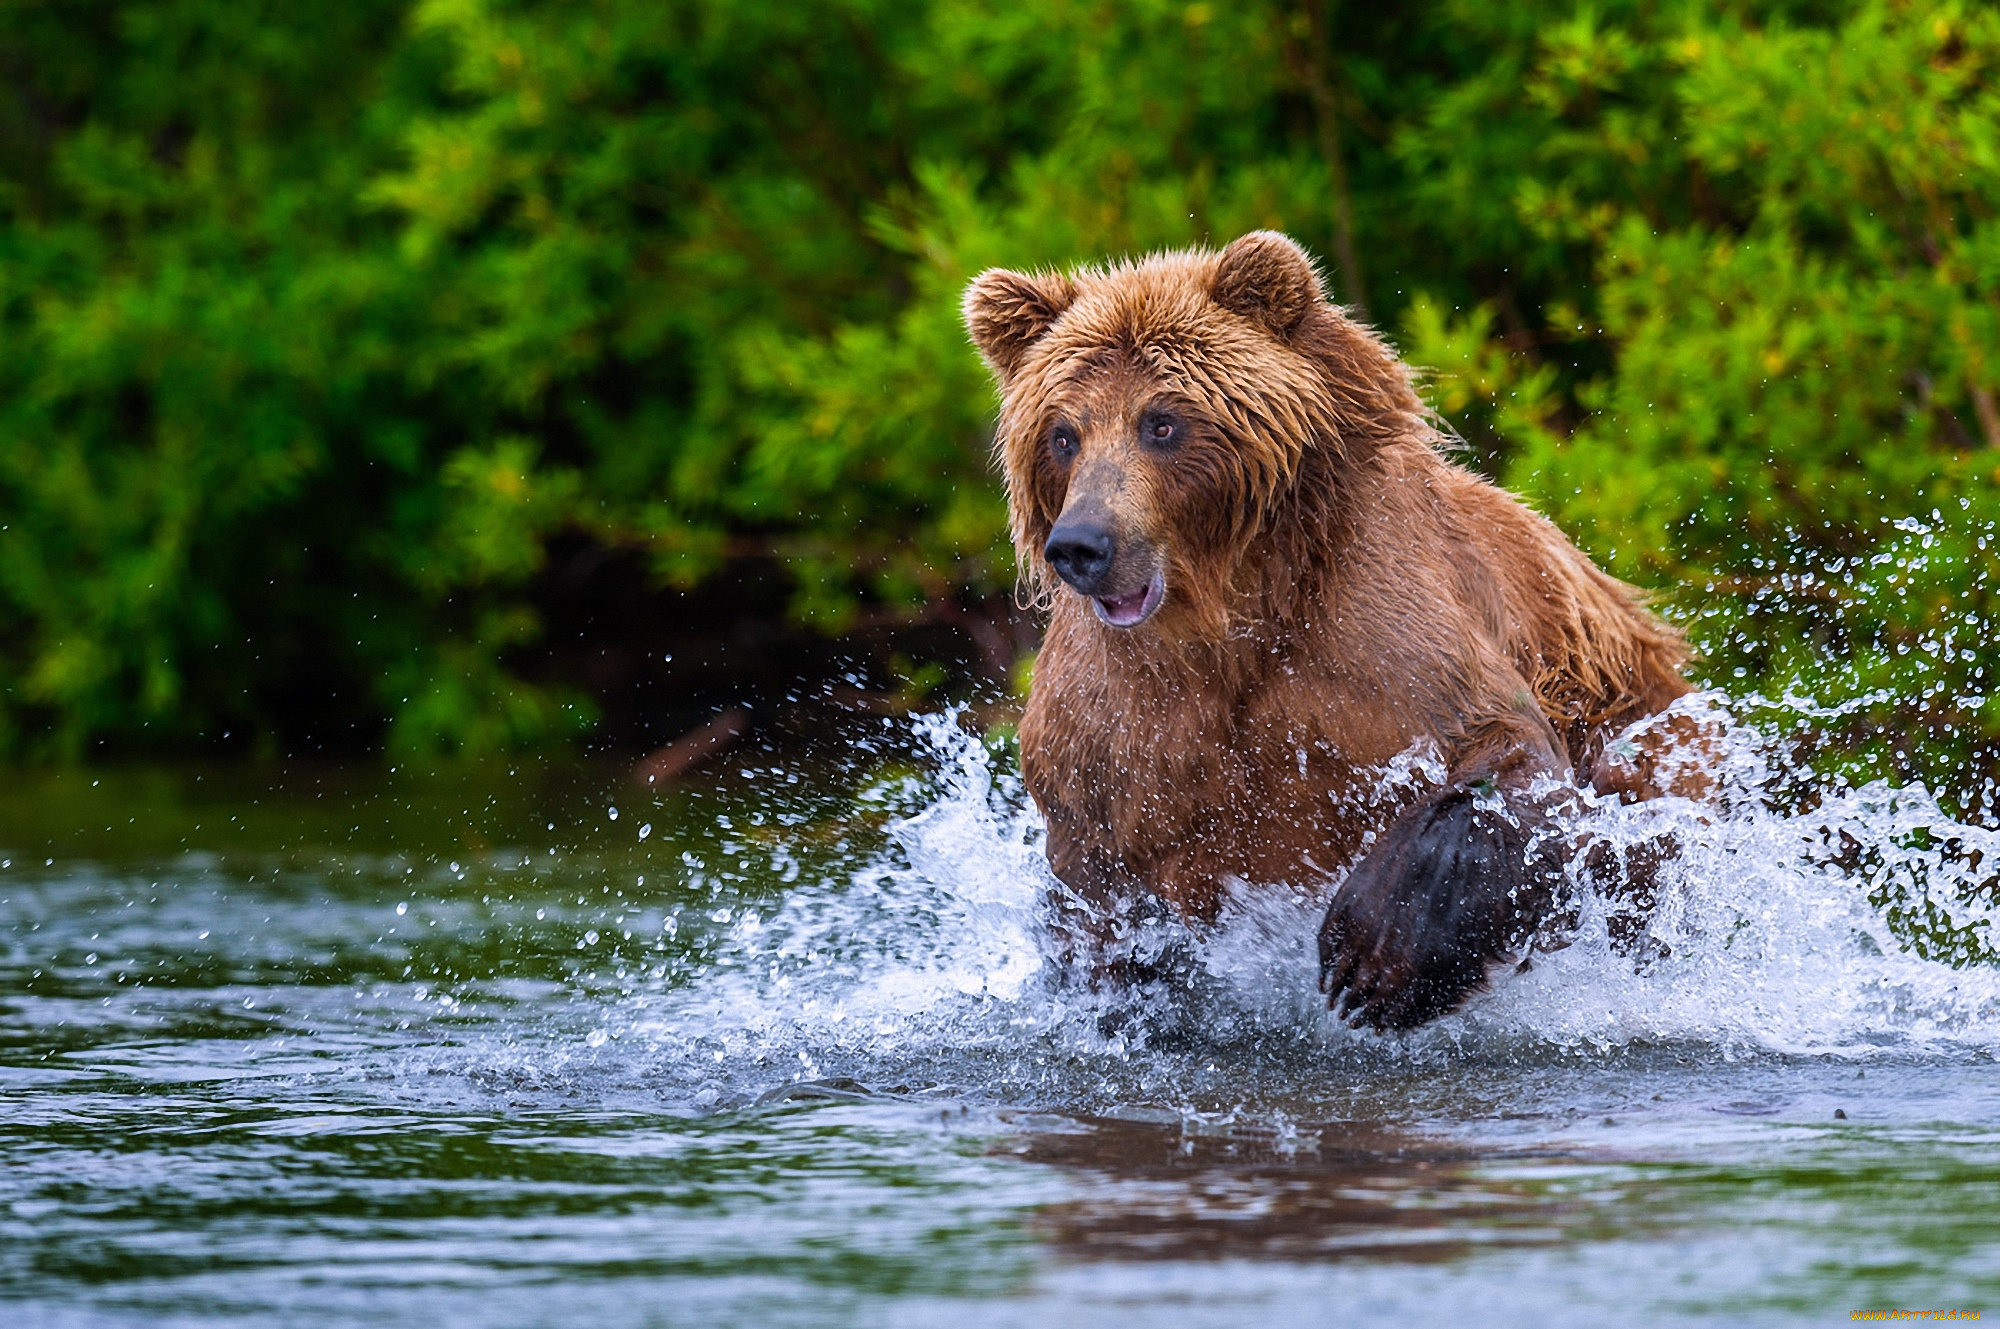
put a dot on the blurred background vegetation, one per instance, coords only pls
(419, 375)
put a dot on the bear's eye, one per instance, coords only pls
(1159, 429)
(1062, 441)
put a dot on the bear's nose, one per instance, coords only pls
(1081, 553)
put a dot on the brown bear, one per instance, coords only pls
(1265, 581)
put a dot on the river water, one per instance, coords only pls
(531, 1046)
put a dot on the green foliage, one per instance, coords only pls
(318, 325)
(1793, 432)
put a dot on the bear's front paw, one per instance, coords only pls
(1457, 883)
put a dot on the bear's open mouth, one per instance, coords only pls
(1134, 607)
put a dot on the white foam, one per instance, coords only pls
(1766, 936)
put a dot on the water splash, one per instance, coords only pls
(930, 942)
(1849, 921)
(1831, 919)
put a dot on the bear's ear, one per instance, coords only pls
(1266, 277)
(1007, 312)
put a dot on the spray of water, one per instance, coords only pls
(1846, 921)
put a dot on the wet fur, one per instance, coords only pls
(1339, 592)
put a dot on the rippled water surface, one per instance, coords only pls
(338, 1047)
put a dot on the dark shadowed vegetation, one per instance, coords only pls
(422, 374)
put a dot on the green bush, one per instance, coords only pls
(1793, 434)
(318, 325)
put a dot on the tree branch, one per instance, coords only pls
(1314, 68)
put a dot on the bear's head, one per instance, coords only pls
(1158, 416)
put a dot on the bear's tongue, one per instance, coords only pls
(1122, 611)
(1123, 606)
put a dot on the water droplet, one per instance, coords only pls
(90, 958)
(403, 908)
(614, 814)
(645, 830)
(590, 937)
(596, 1038)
